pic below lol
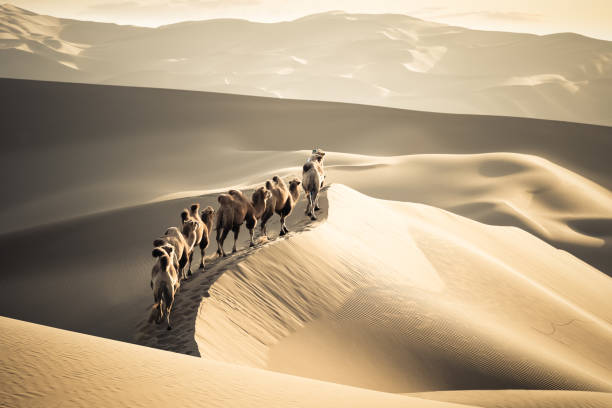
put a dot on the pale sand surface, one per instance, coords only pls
(45, 367)
(523, 398)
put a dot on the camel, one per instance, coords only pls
(294, 196)
(202, 229)
(206, 216)
(282, 202)
(234, 210)
(182, 241)
(312, 181)
(164, 283)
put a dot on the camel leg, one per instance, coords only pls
(264, 220)
(202, 251)
(169, 300)
(218, 244)
(168, 315)
(309, 204)
(252, 233)
(283, 229)
(182, 264)
(236, 232)
(316, 205)
(220, 249)
(189, 273)
(312, 199)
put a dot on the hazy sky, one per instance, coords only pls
(589, 17)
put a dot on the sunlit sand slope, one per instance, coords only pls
(523, 398)
(43, 367)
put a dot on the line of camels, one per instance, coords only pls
(174, 250)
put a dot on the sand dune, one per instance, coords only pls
(387, 60)
(405, 297)
(387, 291)
(382, 295)
(43, 367)
(557, 205)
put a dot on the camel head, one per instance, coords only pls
(184, 216)
(189, 227)
(260, 196)
(317, 155)
(207, 213)
(293, 188)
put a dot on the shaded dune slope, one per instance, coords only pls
(91, 274)
(161, 141)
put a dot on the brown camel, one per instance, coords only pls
(282, 202)
(164, 283)
(312, 181)
(234, 210)
(206, 216)
(202, 229)
(182, 241)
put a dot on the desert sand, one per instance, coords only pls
(387, 60)
(457, 259)
(43, 367)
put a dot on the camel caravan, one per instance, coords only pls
(174, 250)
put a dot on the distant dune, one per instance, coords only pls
(388, 60)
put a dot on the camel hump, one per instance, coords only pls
(268, 185)
(157, 243)
(276, 179)
(307, 166)
(195, 207)
(157, 252)
(184, 215)
(224, 199)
